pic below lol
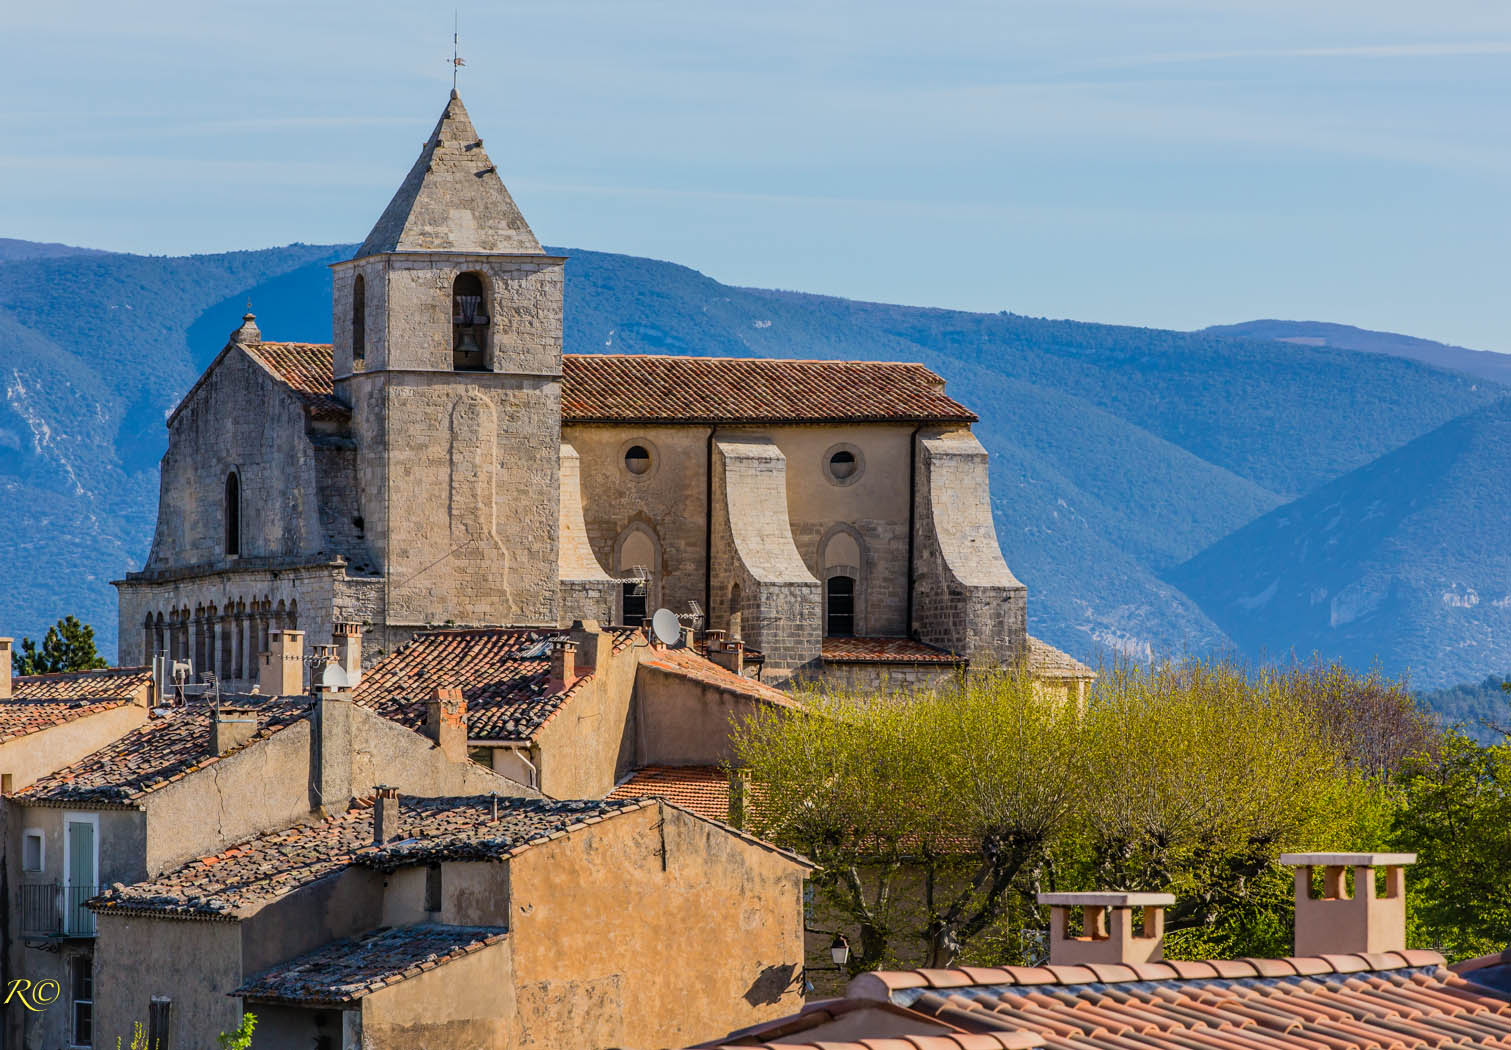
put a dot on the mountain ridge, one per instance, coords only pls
(1117, 453)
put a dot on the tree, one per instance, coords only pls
(241, 1037)
(921, 810)
(1456, 816)
(68, 646)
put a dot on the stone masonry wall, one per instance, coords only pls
(966, 598)
(780, 601)
(587, 591)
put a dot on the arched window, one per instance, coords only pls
(639, 563)
(842, 559)
(469, 324)
(233, 515)
(839, 606)
(359, 318)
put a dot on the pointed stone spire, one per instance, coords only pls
(452, 200)
(248, 332)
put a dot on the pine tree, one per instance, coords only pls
(69, 646)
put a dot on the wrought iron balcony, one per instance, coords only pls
(50, 909)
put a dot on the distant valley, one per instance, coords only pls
(1160, 492)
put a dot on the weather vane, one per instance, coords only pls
(457, 61)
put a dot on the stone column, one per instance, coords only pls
(238, 653)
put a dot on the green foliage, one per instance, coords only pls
(69, 646)
(1456, 815)
(937, 818)
(241, 1037)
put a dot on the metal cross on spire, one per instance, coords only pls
(457, 61)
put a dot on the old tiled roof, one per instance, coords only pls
(885, 651)
(689, 664)
(158, 752)
(306, 369)
(1045, 661)
(107, 683)
(346, 970)
(20, 718)
(645, 388)
(1404, 1000)
(241, 879)
(703, 790)
(502, 673)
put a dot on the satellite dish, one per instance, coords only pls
(334, 677)
(667, 628)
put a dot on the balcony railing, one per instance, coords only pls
(50, 909)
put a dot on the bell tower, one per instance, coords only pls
(447, 327)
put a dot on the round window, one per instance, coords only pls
(842, 464)
(637, 459)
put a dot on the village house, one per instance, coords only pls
(186, 782)
(1352, 985)
(571, 713)
(443, 463)
(460, 922)
(50, 720)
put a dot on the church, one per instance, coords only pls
(442, 462)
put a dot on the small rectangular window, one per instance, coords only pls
(81, 992)
(33, 855)
(159, 1018)
(433, 888)
(634, 603)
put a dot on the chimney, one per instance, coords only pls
(348, 637)
(594, 646)
(5, 656)
(1107, 934)
(446, 722)
(563, 664)
(729, 655)
(1340, 922)
(385, 814)
(283, 665)
(231, 728)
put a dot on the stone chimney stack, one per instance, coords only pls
(563, 664)
(446, 722)
(231, 728)
(5, 667)
(729, 655)
(348, 637)
(385, 814)
(1340, 922)
(1107, 934)
(282, 672)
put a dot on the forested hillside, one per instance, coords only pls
(1118, 454)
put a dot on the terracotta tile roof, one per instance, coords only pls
(308, 369)
(1387, 1001)
(645, 388)
(502, 673)
(346, 970)
(689, 664)
(44, 701)
(885, 651)
(703, 790)
(108, 683)
(1045, 661)
(239, 880)
(158, 752)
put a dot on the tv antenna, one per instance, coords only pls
(457, 61)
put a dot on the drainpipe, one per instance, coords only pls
(708, 532)
(912, 517)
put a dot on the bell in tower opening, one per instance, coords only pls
(469, 324)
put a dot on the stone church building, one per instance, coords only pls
(443, 462)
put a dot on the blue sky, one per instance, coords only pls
(1168, 163)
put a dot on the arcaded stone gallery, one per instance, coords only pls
(443, 463)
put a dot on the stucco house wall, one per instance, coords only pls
(191, 963)
(606, 922)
